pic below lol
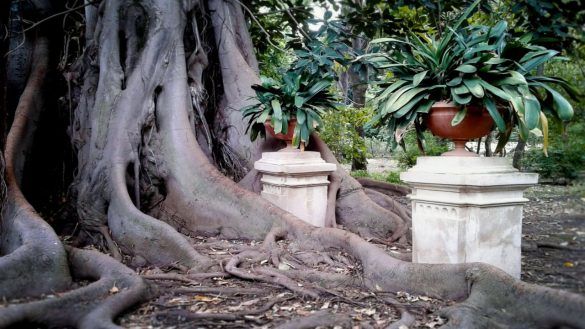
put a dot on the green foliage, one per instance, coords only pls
(340, 134)
(475, 65)
(566, 156)
(374, 18)
(555, 24)
(388, 176)
(407, 156)
(564, 161)
(305, 97)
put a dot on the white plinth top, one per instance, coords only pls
(292, 161)
(467, 171)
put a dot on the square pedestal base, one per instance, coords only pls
(467, 210)
(296, 182)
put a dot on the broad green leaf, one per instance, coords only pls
(561, 105)
(495, 61)
(416, 80)
(405, 98)
(490, 106)
(277, 125)
(389, 90)
(515, 78)
(480, 49)
(297, 136)
(301, 117)
(385, 40)
(426, 106)
(498, 29)
(532, 54)
(409, 106)
(495, 90)
(315, 89)
(523, 132)
(388, 103)
(461, 90)
(454, 82)
(474, 87)
(305, 131)
(466, 68)
(299, 101)
(460, 100)
(533, 63)
(572, 91)
(264, 116)
(276, 109)
(459, 116)
(515, 99)
(531, 111)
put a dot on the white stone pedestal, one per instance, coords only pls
(467, 209)
(296, 182)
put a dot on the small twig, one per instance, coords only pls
(168, 276)
(255, 19)
(219, 291)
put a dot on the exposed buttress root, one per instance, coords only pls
(33, 260)
(93, 306)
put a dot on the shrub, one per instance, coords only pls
(388, 176)
(433, 146)
(565, 157)
(340, 132)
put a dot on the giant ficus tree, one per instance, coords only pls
(154, 94)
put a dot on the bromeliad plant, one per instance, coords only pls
(300, 96)
(475, 65)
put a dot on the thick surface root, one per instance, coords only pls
(89, 307)
(33, 261)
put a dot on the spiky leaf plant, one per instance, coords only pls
(473, 65)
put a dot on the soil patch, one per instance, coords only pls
(553, 244)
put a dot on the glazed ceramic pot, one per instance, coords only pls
(477, 123)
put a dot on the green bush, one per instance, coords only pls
(388, 176)
(340, 131)
(406, 158)
(566, 156)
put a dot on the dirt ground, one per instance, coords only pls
(553, 255)
(553, 237)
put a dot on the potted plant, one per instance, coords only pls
(289, 109)
(460, 83)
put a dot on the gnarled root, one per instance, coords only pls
(383, 187)
(92, 306)
(497, 300)
(33, 260)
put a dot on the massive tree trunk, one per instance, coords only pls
(159, 145)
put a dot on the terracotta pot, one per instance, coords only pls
(288, 137)
(477, 123)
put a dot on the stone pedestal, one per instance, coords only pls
(296, 182)
(467, 209)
